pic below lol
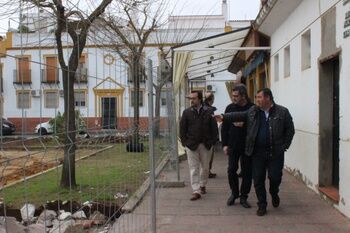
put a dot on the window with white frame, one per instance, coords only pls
(306, 50)
(80, 98)
(276, 67)
(140, 98)
(287, 61)
(51, 99)
(23, 99)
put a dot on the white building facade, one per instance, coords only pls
(310, 47)
(32, 78)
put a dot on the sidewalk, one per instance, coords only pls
(301, 209)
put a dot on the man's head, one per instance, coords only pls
(239, 95)
(209, 98)
(264, 98)
(196, 98)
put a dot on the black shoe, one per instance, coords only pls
(275, 201)
(245, 203)
(195, 196)
(231, 200)
(212, 175)
(203, 190)
(261, 211)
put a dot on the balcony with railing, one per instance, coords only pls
(81, 75)
(22, 76)
(50, 76)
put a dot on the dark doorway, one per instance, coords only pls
(335, 174)
(109, 113)
(329, 123)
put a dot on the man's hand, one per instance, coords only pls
(238, 124)
(225, 149)
(219, 118)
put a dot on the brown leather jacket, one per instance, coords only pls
(196, 128)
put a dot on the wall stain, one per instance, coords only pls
(297, 174)
(342, 200)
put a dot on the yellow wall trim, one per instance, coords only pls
(117, 93)
(6, 44)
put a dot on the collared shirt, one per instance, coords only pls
(267, 113)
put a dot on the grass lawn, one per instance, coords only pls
(99, 177)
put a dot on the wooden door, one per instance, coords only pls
(51, 69)
(23, 70)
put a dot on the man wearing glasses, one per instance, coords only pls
(198, 133)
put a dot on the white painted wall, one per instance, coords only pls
(299, 92)
(97, 71)
(344, 44)
(222, 97)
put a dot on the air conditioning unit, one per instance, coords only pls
(211, 88)
(35, 93)
(61, 93)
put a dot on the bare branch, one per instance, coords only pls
(132, 24)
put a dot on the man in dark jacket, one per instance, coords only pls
(198, 133)
(270, 131)
(233, 141)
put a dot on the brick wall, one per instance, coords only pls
(94, 123)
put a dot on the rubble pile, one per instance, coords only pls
(59, 217)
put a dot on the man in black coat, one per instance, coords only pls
(270, 131)
(233, 142)
(198, 134)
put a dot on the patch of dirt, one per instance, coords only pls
(18, 164)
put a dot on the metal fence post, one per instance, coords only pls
(173, 131)
(151, 146)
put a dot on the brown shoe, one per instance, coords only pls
(195, 196)
(203, 190)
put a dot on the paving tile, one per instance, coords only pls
(301, 210)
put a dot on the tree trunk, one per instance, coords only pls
(136, 80)
(68, 170)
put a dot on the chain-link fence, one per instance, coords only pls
(53, 179)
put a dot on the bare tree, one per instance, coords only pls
(140, 22)
(76, 23)
(128, 34)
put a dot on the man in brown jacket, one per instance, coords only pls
(198, 133)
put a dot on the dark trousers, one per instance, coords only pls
(263, 162)
(246, 167)
(211, 158)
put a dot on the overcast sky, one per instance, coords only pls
(238, 9)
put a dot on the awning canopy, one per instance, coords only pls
(213, 54)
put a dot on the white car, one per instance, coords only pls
(43, 128)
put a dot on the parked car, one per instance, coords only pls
(7, 127)
(43, 128)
